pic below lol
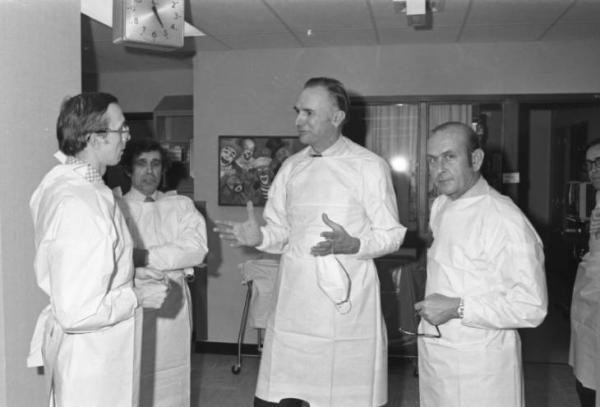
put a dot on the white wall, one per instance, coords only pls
(141, 91)
(35, 75)
(253, 92)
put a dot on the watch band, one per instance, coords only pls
(461, 308)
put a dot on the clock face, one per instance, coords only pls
(157, 23)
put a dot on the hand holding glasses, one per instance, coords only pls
(421, 334)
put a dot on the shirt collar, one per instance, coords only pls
(334, 149)
(84, 169)
(479, 188)
(136, 195)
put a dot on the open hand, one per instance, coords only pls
(240, 233)
(337, 241)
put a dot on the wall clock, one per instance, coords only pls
(154, 24)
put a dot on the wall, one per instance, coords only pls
(34, 77)
(141, 91)
(253, 92)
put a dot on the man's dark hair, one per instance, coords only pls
(136, 147)
(335, 88)
(79, 116)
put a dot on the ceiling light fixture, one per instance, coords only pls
(419, 12)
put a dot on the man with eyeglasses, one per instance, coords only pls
(88, 338)
(584, 351)
(170, 239)
(485, 278)
(330, 210)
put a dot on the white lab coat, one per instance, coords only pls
(174, 233)
(486, 252)
(88, 337)
(584, 352)
(312, 350)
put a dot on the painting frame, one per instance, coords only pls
(248, 164)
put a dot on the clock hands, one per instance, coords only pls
(155, 11)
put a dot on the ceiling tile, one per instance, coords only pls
(234, 18)
(410, 35)
(339, 38)
(569, 31)
(261, 41)
(516, 11)
(323, 14)
(584, 10)
(495, 33)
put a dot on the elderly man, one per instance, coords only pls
(170, 238)
(325, 341)
(485, 278)
(88, 337)
(584, 352)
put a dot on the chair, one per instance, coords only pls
(259, 277)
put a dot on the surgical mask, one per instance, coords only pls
(335, 282)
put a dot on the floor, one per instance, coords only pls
(549, 380)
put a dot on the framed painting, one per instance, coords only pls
(248, 164)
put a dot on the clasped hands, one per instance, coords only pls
(337, 241)
(151, 287)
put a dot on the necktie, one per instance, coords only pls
(149, 199)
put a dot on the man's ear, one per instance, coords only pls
(338, 118)
(477, 158)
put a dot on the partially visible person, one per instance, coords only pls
(331, 209)
(170, 238)
(584, 351)
(88, 338)
(485, 279)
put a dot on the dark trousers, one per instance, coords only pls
(587, 397)
(282, 403)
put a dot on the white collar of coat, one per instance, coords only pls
(335, 149)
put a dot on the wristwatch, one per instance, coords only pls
(461, 308)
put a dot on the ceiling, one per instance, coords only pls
(259, 24)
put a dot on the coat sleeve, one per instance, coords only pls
(385, 234)
(517, 298)
(276, 231)
(82, 262)
(189, 248)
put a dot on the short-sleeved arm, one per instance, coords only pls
(82, 264)
(188, 248)
(386, 234)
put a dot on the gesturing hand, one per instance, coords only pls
(338, 241)
(240, 233)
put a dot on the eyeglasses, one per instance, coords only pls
(123, 131)
(593, 164)
(423, 335)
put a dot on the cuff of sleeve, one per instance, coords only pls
(461, 308)
(265, 239)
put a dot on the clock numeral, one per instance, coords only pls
(166, 33)
(154, 34)
(174, 4)
(176, 16)
(135, 20)
(173, 27)
(143, 30)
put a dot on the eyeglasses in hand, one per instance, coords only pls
(423, 335)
